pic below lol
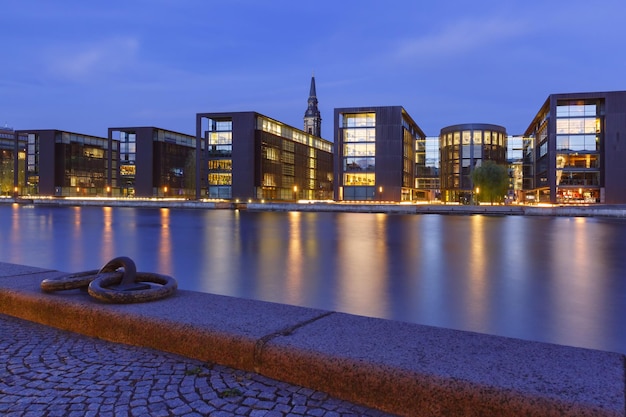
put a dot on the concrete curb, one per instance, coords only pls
(399, 368)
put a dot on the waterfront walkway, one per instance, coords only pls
(49, 372)
(593, 210)
(204, 354)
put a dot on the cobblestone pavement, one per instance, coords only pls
(48, 372)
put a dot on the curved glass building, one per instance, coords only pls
(464, 147)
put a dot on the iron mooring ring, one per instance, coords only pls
(71, 281)
(116, 282)
(131, 287)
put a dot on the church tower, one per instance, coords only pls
(312, 117)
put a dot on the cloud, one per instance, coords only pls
(86, 61)
(457, 39)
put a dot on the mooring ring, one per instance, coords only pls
(98, 288)
(71, 281)
(130, 270)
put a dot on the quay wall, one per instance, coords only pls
(612, 211)
(400, 368)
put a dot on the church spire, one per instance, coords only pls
(312, 117)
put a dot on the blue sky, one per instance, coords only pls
(84, 66)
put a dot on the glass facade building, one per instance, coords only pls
(153, 162)
(12, 162)
(515, 160)
(249, 156)
(377, 153)
(60, 163)
(463, 148)
(427, 181)
(577, 153)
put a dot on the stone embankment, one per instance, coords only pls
(400, 368)
(600, 210)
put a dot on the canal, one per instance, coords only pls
(550, 279)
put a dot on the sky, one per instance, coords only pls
(85, 66)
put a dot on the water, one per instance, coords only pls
(558, 280)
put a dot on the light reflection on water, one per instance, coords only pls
(549, 279)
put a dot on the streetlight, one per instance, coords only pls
(477, 195)
(164, 191)
(295, 192)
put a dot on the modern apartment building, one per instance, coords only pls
(249, 156)
(153, 162)
(61, 163)
(375, 154)
(578, 149)
(12, 162)
(464, 147)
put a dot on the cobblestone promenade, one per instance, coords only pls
(48, 372)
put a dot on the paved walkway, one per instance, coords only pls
(48, 372)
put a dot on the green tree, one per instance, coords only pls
(491, 180)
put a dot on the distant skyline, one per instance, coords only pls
(86, 66)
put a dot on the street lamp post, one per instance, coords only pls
(295, 193)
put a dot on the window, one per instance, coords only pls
(272, 154)
(478, 137)
(359, 120)
(359, 179)
(575, 160)
(271, 127)
(359, 164)
(576, 110)
(269, 180)
(220, 138)
(577, 126)
(223, 125)
(220, 179)
(359, 149)
(220, 165)
(359, 135)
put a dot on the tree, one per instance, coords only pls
(491, 180)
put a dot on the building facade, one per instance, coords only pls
(154, 162)
(427, 182)
(577, 149)
(12, 162)
(515, 161)
(464, 147)
(60, 163)
(375, 154)
(249, 156)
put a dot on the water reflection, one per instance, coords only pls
(478, 303)
(549, 279)
(362, 277)
(294, 261)
(107, 233)
(165, 244)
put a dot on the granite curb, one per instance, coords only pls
(400, 368)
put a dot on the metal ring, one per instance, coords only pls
(68, 281)
(130, 270)
(98, 288)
